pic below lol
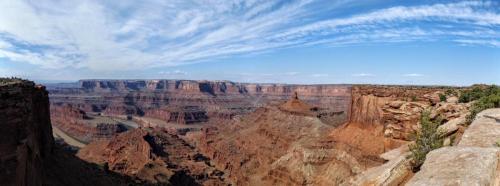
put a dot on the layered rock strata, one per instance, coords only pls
(181, 102)
(26, 135)
(385, 117)
(255, 136)
(277, 147)
(185, 101)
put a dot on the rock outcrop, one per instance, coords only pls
(296, 106)
(127, 154)
(395, 171)
(26, 135)
(387, 116)
(153, 157)
(474, 161)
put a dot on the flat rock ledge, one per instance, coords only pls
(474, 161)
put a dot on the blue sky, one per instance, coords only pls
(312, 41)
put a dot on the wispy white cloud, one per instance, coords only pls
(495, 43)
(292, 73)
(127, 35)
(175, 72)
(319, 75)
(363, 75)
(413, 75)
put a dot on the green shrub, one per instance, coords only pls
(483, 103)
(427, 138)
(485, 97)
(497, 144)
(477, 92)
(450, 92)
(442, 97)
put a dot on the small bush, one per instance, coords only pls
(450, 92)
(442, 97)
(497, 144)
(427, 138)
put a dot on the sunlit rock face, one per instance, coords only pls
(388, 115)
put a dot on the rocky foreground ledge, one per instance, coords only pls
(474, 161)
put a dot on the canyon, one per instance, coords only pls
(181, 104)
(185, 132)
(28, 152)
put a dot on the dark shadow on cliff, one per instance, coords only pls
(64, 168)
(181, 178)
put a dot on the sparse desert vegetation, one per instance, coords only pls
(427, 138)
(483, 97)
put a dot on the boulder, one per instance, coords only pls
(394, 172)
(434, 97)
(458, 166)
(447, 141)
(449, 111)
(395, 153)
(396, 104)
(484, 130)
(452, 125)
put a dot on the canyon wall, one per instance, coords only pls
(183, 101)
(388, 112)
(151, 97)
(26, 134)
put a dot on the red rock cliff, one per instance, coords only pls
(384, 117)
(26, 134)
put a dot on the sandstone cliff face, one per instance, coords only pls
(26, 134)
(384, 117)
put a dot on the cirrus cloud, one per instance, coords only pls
(127, 35)
(413, 75)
